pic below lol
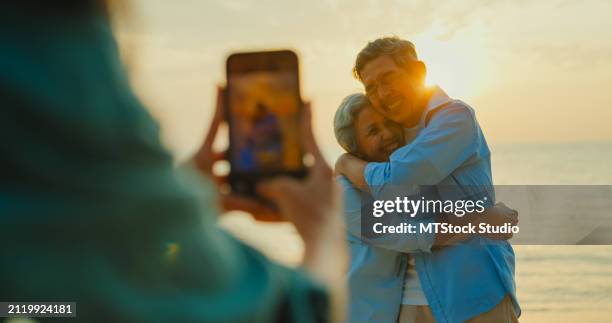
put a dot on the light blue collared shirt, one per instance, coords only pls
(450, 155)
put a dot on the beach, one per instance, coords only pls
(555, 283)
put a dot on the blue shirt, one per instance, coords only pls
(450, 155)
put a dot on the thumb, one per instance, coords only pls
(308, 139)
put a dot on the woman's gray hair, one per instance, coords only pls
(344, 121)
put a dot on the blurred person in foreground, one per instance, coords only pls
(93, 211)
(383, 282)
(449, 159)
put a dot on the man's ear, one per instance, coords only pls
(420, 71)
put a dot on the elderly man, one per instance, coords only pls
(472, 281)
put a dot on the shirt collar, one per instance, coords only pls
(438, 98)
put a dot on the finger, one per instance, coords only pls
(221, 180)
(308, 139)
(503, 207)
(218, 156)
(216, 120)
(206, 159)
(513, 215)
(503, 210)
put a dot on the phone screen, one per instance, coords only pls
(264, 109)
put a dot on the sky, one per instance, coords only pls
(534, 71)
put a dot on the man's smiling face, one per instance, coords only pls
(394, 91)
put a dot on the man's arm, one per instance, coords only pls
(416, 242)
(449, 140)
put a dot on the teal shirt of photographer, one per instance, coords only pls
(92, 209)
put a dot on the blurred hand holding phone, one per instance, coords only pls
(263, 113)
(268, 129)
(206, 158)
(270, 134)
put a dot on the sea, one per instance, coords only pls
(555, 283)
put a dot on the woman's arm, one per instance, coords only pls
(352, 168)
(418, 241)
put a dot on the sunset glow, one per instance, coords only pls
(500, 57)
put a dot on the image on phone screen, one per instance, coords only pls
(264, 109)
(264, 116)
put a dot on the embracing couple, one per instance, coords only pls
(402, 136)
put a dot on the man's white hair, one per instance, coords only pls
(344, 121)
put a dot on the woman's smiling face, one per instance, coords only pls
(377, 137)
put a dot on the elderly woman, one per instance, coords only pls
(384, 285)
(362, 131)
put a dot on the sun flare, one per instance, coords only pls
(457, 62)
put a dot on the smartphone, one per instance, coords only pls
(263, 114)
